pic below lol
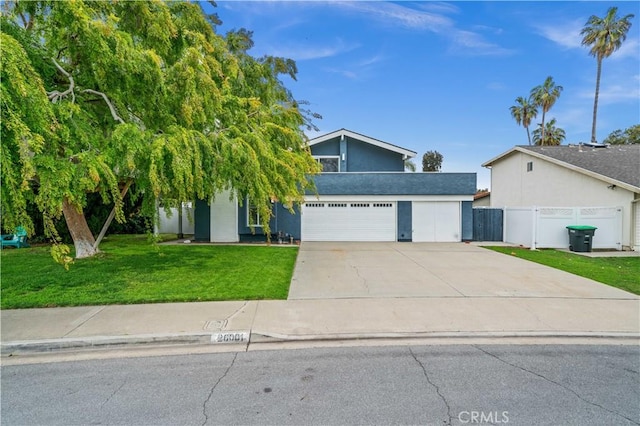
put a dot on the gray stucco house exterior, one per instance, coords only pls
(363, 194)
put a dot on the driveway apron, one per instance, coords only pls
(335, 270)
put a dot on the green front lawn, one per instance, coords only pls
(131, 270)
(620, 272)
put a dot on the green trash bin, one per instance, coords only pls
(581, 237)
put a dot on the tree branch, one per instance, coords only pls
(55, 96)
(26, 23)
(115, 115)
(24, 20)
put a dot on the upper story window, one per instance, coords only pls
(530, 166)
(330, 163)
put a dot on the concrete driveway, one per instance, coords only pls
(327, 270)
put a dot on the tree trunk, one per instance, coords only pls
(80, 233)
(528, 135)
(107, 223)
(595, 102)
(542, 129)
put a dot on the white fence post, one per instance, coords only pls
(535, 216)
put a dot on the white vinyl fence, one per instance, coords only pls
(545, 227)
(169, 224)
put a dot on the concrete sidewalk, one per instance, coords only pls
(45, 330)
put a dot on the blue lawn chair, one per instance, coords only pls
(17, 239)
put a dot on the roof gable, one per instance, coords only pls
(381, 144)
(616, 164)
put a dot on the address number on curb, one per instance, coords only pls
(230, 337)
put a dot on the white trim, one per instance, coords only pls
(374, 198)
(344, 132)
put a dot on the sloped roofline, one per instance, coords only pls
(569, 166)
(381, 144)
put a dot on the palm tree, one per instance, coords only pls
(605, 36)
(545, 95)
(525, 111)
(409, 165)
(549, 134)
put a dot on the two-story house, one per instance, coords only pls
(363, 194)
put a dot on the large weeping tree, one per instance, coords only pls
(604, 36)
(99, 95)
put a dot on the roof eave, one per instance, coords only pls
(344, 132)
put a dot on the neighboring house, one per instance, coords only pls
(482, 199)
(582, 175)
(363, 194)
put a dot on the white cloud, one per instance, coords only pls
(567, 34)
(471, 43)
(394, 14)
(346, 73)
(614, 93)
(462, 41)
(438, 7)
(630, 49)
(372, 60)
(485, 28)
(300, 52)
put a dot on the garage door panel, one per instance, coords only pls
(349, 221)
(436, 221)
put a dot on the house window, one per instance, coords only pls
(330, 163)
(530, 166)
(253, 215)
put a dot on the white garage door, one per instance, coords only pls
(436, 221)
(349, 221)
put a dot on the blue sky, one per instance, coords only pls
(442, 75)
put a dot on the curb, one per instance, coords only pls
(260, 337)
(103, 342)
(156, 340)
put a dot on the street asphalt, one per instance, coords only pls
(357, 292)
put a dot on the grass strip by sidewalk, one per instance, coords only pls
(131, 270)
(620, 272)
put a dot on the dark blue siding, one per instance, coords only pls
(281, 221)
(288, 223)
(395, 183)
(330, 147)
(404, 221)
(202, 221)
(364, 157)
